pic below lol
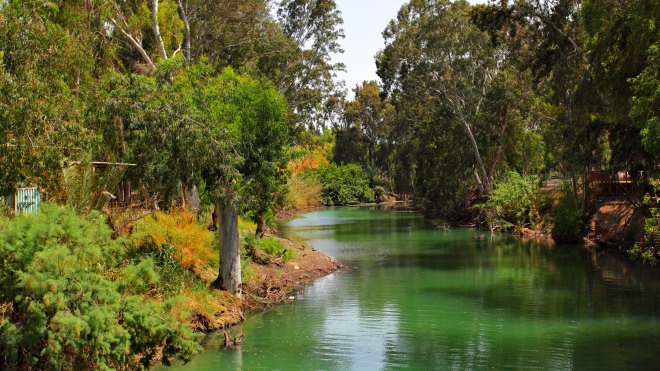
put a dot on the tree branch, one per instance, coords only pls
(135, 44)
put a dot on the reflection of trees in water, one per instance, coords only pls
(444, 300)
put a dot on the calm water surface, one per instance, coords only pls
(420, 298)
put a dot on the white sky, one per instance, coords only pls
(364, 21)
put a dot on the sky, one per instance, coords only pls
(364, 21)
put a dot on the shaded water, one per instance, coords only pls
(420, 298)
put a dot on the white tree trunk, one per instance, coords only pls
(156, 27)
(183, 12)
(229, 277)
(485, 182)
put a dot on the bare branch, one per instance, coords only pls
(137, 45)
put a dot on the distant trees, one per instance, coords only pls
(363, 135)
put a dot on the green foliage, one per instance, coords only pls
(88, 188)
(314, 27)
(643, 252)
(262, 141)
(646, 102)
(647, 248)
(568, 219)
(40, 111)
(513, 202)
(344, 184)
(76, 302)
(266, 249)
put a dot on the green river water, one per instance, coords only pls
(414, 297)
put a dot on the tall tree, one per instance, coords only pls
(619, 37)
(307, 77)
(45, 76)
(434, 52)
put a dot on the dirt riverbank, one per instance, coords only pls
(269, 285)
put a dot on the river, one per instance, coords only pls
(415, 297)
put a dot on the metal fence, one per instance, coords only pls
(26, 201)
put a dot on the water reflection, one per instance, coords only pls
(421, 298)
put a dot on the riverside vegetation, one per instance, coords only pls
(143, 118)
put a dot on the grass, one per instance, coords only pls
(266, 249)
(304, 192)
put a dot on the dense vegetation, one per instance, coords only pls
(232, 106)
(75, 300)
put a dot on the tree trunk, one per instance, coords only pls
(585, 187)
(485, 182)
(574, 180)
(137, 45)
(183, 10)
(229, 277)
(477, 157)
(260, 225)
(480, 185)
(156, 27)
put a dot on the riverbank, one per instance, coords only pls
(267, 285)
(273, 283)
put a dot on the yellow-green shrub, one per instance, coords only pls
(305, 191)
(194, 243)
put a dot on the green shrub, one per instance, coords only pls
(646, 250)
(266, 249)
(344, 184)
(513, 202)
(568, 220)
(76, 302)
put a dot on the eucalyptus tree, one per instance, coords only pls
(363, 133)
(436, 55)
(620, 37)
(646, 102)
(262, 141)
(241, 153)
(306, 78)
(45, 77)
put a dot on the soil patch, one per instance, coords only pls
(276, 281)
(616, 224)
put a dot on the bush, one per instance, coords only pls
(75, 302)
(513, 202)
(646, 250)
(344, 184)
(304, 191)
(178, 234)
(266, 249)
(569, 220)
